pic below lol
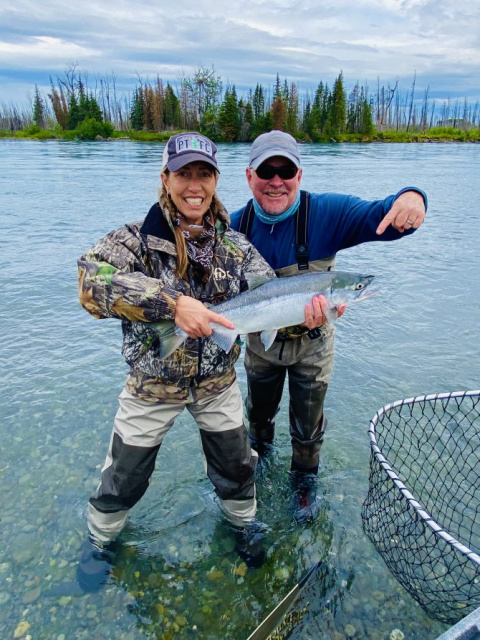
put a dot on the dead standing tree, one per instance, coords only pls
(424, 114)
(384, 102)
(410, 109)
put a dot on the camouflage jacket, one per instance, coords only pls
(130, 274)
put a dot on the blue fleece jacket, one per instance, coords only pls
(335, 222)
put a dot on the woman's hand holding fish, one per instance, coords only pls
(316, 313)
(193, 317)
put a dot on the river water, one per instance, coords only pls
(176, 575)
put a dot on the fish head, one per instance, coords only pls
(347, 288)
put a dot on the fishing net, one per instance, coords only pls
(422, 511)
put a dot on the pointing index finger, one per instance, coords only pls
(216, 317)
(388, 219)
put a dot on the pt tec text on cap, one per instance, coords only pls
(189, 147)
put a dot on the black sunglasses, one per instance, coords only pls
(267, 172)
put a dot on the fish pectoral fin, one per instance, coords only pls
(331, 314)
(171, 337)
(223, 337)
(255, 280)
(267, 338)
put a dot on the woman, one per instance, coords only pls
(164, 268)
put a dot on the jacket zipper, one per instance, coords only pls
(200, 353)
(200, 340)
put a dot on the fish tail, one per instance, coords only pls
(171, 337)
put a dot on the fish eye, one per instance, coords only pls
(360, 285)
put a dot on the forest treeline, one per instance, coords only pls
(73, 108)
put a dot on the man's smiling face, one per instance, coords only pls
(274, 195)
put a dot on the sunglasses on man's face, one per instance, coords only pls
(268, 171)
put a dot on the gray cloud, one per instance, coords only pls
(246, 42)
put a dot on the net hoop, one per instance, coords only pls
(422, 510)
(383, 462)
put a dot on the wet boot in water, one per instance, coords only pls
(305, 502)
(267, 457)
(95, 565)
(250, 543)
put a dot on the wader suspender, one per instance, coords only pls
(301, 227)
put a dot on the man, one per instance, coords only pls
(299, 232)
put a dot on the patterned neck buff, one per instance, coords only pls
(200, 240)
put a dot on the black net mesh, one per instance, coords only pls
(422, 511)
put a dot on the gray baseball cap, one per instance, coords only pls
(273, 143)
(189, 147)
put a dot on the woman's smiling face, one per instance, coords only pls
(192, 188)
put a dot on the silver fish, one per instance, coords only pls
(271, 304)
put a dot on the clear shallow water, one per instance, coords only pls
(61, 372)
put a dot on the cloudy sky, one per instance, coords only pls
(304, 41)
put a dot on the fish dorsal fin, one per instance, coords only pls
(267, 338)
(255, 280)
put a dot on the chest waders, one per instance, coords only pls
(307, 357)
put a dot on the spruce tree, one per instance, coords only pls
(258, 105)
(247, 124)
(366, 117)
(74, 115)
(38, 109)
(91, 108)
(136, 111)
(337, 114)
(172, 111)
(291, 123)
(318, 116)
(229, 117)
(307, 122)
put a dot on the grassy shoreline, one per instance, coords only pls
(439, 134)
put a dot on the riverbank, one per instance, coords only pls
(438, 134)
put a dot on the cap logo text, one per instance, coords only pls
(193, 143)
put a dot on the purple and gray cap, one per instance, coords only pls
(273, 143)
(189, 147)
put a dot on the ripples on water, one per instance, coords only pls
(177, 575)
